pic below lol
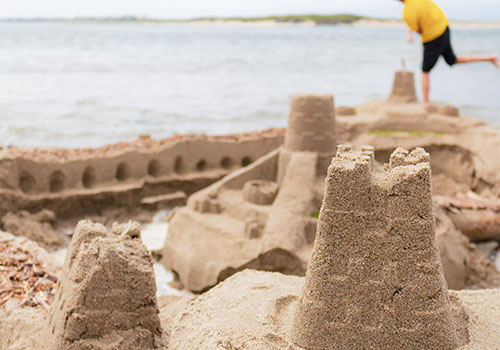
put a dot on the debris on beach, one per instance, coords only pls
(23, 277)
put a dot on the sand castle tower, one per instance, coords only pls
(403, 89)
(311, 128)
(375, 279)
(106, 298)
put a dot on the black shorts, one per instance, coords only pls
(438, 47)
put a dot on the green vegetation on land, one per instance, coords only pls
(317, 19)
(408, 132)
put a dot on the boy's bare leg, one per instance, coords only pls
(425, 86)
(469, 59)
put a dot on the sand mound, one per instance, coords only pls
(106, 298)
(36, 227)
(249, 311)
(254, 310)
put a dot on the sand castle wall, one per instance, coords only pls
(71, 183)
(106, 297)
(375, 279)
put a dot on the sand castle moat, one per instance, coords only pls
(367, 252)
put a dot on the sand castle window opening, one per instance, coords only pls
(226, 163)
(122, 172)
(154, 168)
(26, 182)
(179, 165)
(246, 161)
(89, 177)
(57, 181)
(201, 165)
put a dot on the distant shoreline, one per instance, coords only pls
(272, 21)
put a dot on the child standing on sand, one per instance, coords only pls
(427, 19)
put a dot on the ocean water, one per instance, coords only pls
(90, 84)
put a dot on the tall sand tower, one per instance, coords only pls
(403, 89)
(106, 298)
(311, 128)
(375, 279)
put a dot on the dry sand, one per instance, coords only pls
(36, 227)
(254, 310)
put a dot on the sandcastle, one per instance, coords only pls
(375, 277)
(144, 174)
(106, 298)
(263, 216)
(403, 89)
(259, 216)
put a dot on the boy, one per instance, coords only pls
(427, 19)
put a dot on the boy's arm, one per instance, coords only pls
(410, 36)
(413, 23)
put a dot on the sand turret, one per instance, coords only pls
(375, 278)
(403, 89)
(106, 298)
(311, 128)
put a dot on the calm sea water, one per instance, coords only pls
(84, 84)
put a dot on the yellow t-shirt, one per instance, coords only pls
(426, 18)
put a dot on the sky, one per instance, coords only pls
(180, 9)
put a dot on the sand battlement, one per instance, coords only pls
(375, 272)
(348, 157)
(402, 157)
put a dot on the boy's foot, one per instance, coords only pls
(494, 60)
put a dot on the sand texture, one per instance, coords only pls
(254, 310)
(36, 227)
(375, 275)
(106, 298)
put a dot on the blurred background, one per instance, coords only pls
(80, 80)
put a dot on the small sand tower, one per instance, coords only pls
(375, 279)
(106, 298)
(311, 128)
(403, 89)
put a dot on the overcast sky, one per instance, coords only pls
(455, 9)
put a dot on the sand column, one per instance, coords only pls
(375, 279)
(311, 128)
(403, 89)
